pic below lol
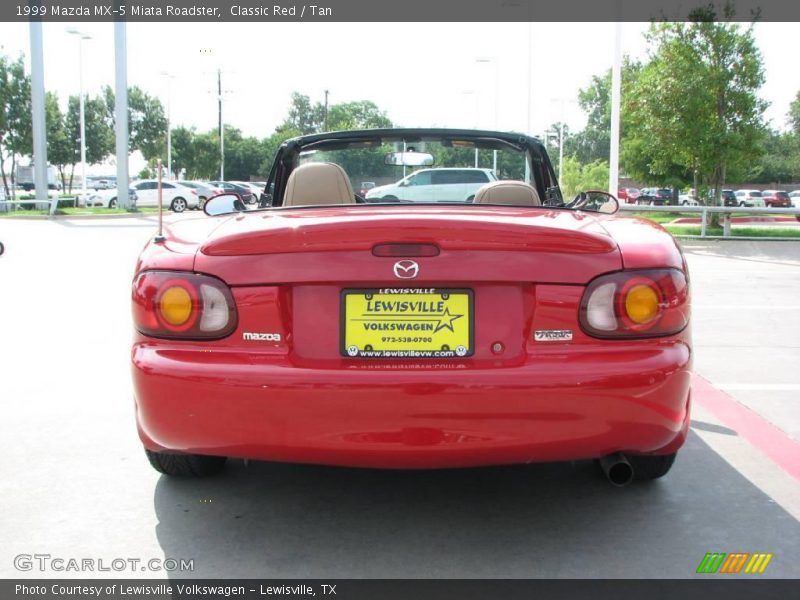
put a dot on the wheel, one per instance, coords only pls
(185, 465)
(112, 203)
(741, 204)
(651, 467)
(178, 205)
(2, 248)
(201, 203)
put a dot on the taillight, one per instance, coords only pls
(169, 304)
(636, 304)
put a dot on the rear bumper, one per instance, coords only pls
(358, 413)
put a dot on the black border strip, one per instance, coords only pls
(711, 587)
(245, 11)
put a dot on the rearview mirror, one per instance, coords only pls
(221, 204)
(595, 201)
(409, 159)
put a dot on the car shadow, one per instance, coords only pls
(545, 520)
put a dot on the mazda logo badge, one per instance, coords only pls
(406, 269)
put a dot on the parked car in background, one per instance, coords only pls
(655, 196)
(628, 195)
(175, 196)
(107, 198)
(204, 190)
(256, 188)
(244, 191)
(688, 199)
(365, 187)
(795, 198)
(439, 185)
(728, 198)
(776, 199)
(751, 198)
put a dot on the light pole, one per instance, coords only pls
(81, 37)
(169, 77)
(563, 102)
(616, 89)
(486, 60)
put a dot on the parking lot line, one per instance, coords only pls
(766, 437)
(759, 387)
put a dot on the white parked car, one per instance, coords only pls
(435, 185)
(175, 196)
(106, 198)
(795, 197)
(750, 198)
(204, 190)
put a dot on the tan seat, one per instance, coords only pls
(516, 193)
(318, 183)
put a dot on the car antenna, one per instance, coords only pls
(160, 239)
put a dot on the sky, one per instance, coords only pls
(420, 74)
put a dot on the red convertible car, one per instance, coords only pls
(324, 327)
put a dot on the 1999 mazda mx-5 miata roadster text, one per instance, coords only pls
(460, 313)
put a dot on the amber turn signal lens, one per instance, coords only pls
(175, 305)
(641, 304)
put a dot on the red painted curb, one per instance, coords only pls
(776, 444)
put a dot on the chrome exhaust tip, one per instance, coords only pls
(617, 469)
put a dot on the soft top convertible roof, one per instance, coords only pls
(490, 140)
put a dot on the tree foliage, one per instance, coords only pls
(147, 122)
(593, 142)
(577, 177)
(694, 108)
(15, 117)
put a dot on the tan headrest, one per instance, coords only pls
(318, 183)
(517, 193)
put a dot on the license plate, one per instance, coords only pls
(407, 323)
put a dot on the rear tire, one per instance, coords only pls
(651, 467)
(185, 465)
(178, 205)
(112, 203)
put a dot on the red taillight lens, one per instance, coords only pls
(168, 304)
(636, 304)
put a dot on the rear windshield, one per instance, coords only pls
(755, 194)
(455, 176)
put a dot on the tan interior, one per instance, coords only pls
(318, 183)
(516, 193)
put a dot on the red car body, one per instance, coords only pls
(295, 397)
(776, 199)
(629, 195)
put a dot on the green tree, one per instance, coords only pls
(61, 151)
(593, 143)
(694, 109)
(15, 118)
(794, 115)
(780, 162)
(577, 177)
(303, 117)
(147, 123)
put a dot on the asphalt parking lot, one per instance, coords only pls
(76, 483)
